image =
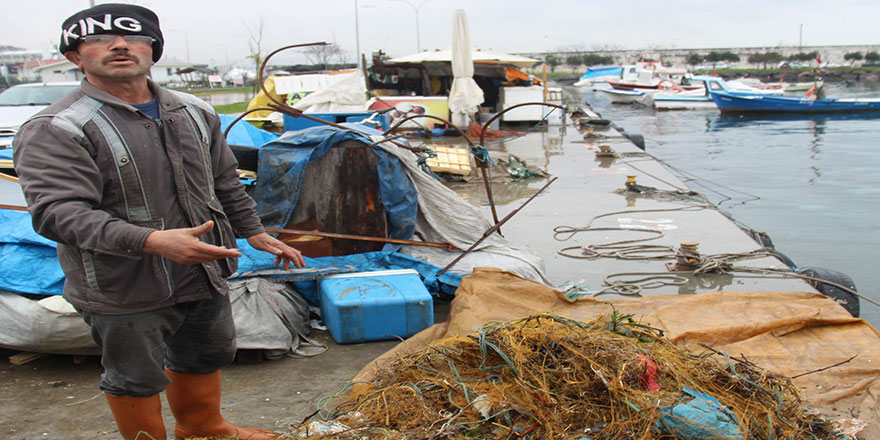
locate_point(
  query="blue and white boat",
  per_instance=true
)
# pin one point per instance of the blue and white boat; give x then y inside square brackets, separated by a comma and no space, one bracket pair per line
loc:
[596,74]
[729,102]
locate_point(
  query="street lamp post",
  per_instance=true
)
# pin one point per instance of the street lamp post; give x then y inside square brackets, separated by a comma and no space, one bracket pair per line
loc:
[416,9]
[357,37]
[185,40]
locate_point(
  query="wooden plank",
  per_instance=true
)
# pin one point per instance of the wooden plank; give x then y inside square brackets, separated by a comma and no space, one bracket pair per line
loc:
[25,357]
[450,160]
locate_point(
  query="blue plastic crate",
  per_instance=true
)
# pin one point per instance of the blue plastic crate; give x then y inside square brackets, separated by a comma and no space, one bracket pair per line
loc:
[375,306]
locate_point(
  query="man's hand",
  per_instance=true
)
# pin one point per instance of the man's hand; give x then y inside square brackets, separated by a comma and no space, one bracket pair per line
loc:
[282,252]
[183,246]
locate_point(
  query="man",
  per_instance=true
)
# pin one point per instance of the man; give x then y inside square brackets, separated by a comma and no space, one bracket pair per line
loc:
[140,190]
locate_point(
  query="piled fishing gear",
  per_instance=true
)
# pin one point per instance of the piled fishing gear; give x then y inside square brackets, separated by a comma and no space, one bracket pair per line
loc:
[550,377]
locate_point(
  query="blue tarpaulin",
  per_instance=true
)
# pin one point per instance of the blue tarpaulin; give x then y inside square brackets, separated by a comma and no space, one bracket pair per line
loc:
[283,163]
[701,418]
[30,263]
[245,134]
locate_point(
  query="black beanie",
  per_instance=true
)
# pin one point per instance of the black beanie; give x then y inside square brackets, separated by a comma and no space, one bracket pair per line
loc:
[111,18]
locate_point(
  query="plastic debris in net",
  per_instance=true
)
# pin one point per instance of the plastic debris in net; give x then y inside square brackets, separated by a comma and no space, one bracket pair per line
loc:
[701,418]
[648,379]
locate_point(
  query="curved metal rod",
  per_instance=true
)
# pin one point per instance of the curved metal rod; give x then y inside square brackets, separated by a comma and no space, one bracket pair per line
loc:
[266,61]
[241,116]
[484,165]
[409,118]
[288,110]
[498,115]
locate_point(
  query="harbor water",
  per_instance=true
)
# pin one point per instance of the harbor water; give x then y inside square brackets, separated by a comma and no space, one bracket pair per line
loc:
[812,183]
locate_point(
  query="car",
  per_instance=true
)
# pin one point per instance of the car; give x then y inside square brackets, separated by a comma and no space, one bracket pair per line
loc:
[18,103]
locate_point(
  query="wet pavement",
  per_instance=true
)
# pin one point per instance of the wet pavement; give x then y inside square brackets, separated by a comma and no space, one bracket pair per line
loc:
[56,398]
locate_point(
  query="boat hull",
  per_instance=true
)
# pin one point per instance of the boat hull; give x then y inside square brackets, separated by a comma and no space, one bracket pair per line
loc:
[626,96]
[681,104]
[731,103]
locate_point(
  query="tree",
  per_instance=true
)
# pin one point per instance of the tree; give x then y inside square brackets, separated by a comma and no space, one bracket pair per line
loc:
[573,60]
[552,61]
[804,56]
[773,57]
[765,58]
[853,57]
[324,55]
[872,57]
[716,57]
[255,44]
[694,59]
[593,59]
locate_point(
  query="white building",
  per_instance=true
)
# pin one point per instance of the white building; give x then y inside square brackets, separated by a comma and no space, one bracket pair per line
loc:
[63,70]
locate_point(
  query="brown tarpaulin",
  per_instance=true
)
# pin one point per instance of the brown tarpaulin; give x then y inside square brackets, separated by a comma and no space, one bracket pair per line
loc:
[786,332]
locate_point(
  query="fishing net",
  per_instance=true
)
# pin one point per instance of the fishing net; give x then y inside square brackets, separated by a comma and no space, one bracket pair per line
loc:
[546,377]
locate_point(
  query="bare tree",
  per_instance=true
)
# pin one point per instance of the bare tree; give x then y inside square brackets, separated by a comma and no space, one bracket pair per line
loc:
[324,55]
[606,47]
[255,44]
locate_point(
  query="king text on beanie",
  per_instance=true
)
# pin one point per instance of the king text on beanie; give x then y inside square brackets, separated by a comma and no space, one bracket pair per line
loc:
[111,18]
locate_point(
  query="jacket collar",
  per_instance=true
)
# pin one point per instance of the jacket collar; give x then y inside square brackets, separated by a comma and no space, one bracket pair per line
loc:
[167,100]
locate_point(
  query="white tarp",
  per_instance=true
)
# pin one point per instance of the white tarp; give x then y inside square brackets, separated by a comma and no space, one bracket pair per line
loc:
[268,316]
[465,95]
[348,93]
[285,85]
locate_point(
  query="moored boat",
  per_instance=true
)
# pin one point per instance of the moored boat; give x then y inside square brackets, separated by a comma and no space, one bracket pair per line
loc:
[650,75]
[700,98]
[598,74]
[627,96]
[737,103]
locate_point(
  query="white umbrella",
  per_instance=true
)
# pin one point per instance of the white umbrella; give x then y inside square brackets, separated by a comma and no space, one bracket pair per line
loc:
[465,96]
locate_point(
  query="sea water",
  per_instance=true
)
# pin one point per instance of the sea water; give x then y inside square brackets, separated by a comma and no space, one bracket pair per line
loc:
[812,183]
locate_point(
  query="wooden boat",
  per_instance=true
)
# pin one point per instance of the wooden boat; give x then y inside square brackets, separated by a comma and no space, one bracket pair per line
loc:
[729,102]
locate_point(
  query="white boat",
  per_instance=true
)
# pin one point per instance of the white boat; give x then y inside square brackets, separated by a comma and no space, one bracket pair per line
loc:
[700,98]
[684,100]
[627,96]
[649,75]
[757,86]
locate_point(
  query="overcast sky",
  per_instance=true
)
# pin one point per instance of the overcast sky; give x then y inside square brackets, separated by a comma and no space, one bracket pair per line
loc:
[215,29]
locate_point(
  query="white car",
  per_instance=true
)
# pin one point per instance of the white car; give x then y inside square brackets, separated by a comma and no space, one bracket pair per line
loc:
[18,103]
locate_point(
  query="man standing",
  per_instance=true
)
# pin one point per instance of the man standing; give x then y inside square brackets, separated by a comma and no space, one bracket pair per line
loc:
[137,186]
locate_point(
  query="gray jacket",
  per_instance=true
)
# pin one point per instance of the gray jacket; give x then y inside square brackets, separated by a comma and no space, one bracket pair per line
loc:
[99,176]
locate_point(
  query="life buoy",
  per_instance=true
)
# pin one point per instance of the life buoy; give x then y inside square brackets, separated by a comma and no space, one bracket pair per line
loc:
[650,67]
[812,92]
[667,84]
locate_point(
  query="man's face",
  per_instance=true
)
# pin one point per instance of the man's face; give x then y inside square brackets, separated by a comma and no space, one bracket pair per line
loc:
[113,57]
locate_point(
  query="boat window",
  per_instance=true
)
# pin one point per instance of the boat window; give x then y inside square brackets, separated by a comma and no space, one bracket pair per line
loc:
[715,86]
